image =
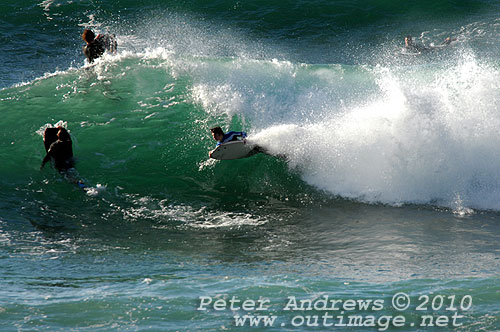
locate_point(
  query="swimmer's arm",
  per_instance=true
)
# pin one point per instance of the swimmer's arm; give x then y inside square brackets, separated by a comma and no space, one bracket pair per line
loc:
[45,160]
[53,147]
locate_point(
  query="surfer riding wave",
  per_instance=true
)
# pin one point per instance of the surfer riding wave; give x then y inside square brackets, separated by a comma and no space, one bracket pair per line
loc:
[247,150]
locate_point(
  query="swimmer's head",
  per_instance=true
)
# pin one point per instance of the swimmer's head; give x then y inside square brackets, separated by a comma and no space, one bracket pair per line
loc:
[63,134]
[88,36]
[408,41]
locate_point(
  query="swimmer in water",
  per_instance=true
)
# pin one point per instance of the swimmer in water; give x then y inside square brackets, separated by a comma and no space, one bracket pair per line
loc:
[96,46]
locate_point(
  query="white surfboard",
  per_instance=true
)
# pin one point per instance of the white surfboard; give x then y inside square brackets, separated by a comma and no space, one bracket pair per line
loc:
[233,150]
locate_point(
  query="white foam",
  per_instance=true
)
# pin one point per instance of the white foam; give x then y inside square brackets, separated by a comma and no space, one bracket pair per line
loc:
[420,139]
[60,123]
[95,191]
[163,212]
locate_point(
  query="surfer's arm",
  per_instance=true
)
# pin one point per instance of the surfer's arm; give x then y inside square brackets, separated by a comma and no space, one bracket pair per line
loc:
[241,134]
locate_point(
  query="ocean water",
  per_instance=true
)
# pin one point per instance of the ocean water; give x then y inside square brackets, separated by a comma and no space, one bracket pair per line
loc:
[382,183]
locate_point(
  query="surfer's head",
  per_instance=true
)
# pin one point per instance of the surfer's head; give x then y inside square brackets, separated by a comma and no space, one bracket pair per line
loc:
[88,36]
[217,133]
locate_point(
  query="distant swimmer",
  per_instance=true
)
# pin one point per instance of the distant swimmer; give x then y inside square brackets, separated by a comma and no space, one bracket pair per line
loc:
[448,41]
[414,48]
[59,148]
[96,46]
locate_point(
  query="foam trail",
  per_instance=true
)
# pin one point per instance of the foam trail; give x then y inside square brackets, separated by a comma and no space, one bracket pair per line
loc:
[425,138]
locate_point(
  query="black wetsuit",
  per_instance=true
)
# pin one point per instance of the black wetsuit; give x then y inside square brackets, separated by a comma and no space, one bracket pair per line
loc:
[98,46]
[62,154]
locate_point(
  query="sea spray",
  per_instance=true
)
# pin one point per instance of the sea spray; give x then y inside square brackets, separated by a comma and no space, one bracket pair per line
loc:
[418,140]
